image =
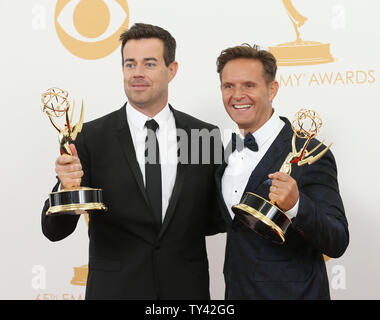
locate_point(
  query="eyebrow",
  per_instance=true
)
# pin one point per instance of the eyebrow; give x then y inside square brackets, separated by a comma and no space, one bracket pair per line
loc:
[244,82]
[145,59]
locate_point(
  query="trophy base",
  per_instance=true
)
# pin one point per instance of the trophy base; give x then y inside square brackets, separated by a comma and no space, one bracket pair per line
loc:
[301,52]
[80,276]
[76,201]
[263,217]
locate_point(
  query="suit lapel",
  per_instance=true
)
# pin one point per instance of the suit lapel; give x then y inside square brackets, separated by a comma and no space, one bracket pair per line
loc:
[181,171]
[124,137]
[272,159]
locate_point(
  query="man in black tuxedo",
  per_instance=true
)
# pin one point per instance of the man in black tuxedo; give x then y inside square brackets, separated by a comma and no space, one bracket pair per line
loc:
[256,268]
[151,242]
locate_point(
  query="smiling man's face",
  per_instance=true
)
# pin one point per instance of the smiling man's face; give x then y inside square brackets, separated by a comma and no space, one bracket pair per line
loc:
[246,95]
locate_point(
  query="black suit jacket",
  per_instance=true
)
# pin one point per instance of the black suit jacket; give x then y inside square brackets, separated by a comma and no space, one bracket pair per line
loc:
[129,256]
[256,268]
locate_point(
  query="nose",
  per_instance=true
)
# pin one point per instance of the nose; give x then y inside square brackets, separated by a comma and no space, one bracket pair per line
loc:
[238,94]
[138,71]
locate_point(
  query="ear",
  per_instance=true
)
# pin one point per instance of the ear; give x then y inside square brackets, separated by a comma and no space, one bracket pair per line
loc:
[273,89]
[172,70]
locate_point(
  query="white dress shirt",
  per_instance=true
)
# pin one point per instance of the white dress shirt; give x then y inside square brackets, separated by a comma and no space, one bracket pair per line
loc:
[242,163]
[167,141]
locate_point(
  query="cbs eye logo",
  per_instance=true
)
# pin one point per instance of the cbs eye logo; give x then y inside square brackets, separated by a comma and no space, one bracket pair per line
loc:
[90,29]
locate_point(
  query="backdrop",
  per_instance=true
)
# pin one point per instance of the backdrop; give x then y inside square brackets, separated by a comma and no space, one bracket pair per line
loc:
[73,45]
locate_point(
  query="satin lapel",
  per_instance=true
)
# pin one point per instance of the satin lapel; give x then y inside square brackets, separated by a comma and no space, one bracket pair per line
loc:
[272,159]
[181,172]
[124,137]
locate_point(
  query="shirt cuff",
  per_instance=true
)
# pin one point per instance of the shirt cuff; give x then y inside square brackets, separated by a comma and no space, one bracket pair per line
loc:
[292,213]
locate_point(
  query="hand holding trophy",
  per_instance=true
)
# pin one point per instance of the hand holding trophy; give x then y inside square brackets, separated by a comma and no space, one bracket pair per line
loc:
[56,103]
[264,216]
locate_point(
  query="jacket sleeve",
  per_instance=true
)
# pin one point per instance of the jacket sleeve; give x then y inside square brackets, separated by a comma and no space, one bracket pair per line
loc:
[216,223]
[57,227]
[321,217]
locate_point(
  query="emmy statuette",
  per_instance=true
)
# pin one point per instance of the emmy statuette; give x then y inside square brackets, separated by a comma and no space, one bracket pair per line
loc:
[55,103]
[264,216]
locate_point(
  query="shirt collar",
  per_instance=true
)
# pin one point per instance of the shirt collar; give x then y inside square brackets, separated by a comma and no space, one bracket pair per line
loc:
[270,128]
[138,119]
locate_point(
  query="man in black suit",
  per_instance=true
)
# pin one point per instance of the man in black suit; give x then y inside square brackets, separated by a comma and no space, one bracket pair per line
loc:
[256,268]
[151,242]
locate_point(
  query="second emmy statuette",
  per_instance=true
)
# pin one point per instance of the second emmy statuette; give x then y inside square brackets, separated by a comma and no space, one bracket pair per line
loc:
[263,216]
[56,103]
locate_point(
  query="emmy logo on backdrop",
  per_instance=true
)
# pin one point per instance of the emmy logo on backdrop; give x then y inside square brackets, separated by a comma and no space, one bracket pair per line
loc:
[264,216]
[80,276]
[56,104]
[300,52]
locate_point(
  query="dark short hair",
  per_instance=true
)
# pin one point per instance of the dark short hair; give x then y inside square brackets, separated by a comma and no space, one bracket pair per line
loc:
[248,52]
[147,31]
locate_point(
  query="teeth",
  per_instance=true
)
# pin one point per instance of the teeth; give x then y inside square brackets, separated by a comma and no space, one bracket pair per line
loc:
[242,106]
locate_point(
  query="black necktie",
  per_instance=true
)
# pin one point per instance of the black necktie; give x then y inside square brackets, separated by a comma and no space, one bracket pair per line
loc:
[153,170]
[249,142]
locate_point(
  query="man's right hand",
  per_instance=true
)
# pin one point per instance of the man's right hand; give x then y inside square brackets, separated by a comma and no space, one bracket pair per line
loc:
[69,169]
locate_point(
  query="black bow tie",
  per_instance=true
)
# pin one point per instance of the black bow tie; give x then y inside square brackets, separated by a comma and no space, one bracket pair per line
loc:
[249,142]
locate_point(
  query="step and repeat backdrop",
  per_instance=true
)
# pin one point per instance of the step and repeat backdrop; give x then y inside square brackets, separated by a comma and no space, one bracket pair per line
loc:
[74,45]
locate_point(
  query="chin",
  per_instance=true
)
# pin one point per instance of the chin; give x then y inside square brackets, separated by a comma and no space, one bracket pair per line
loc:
[242,124]
[138,99]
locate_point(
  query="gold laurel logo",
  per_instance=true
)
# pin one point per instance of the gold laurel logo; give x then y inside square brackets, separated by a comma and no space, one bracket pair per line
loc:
[300,52]
[91,21]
